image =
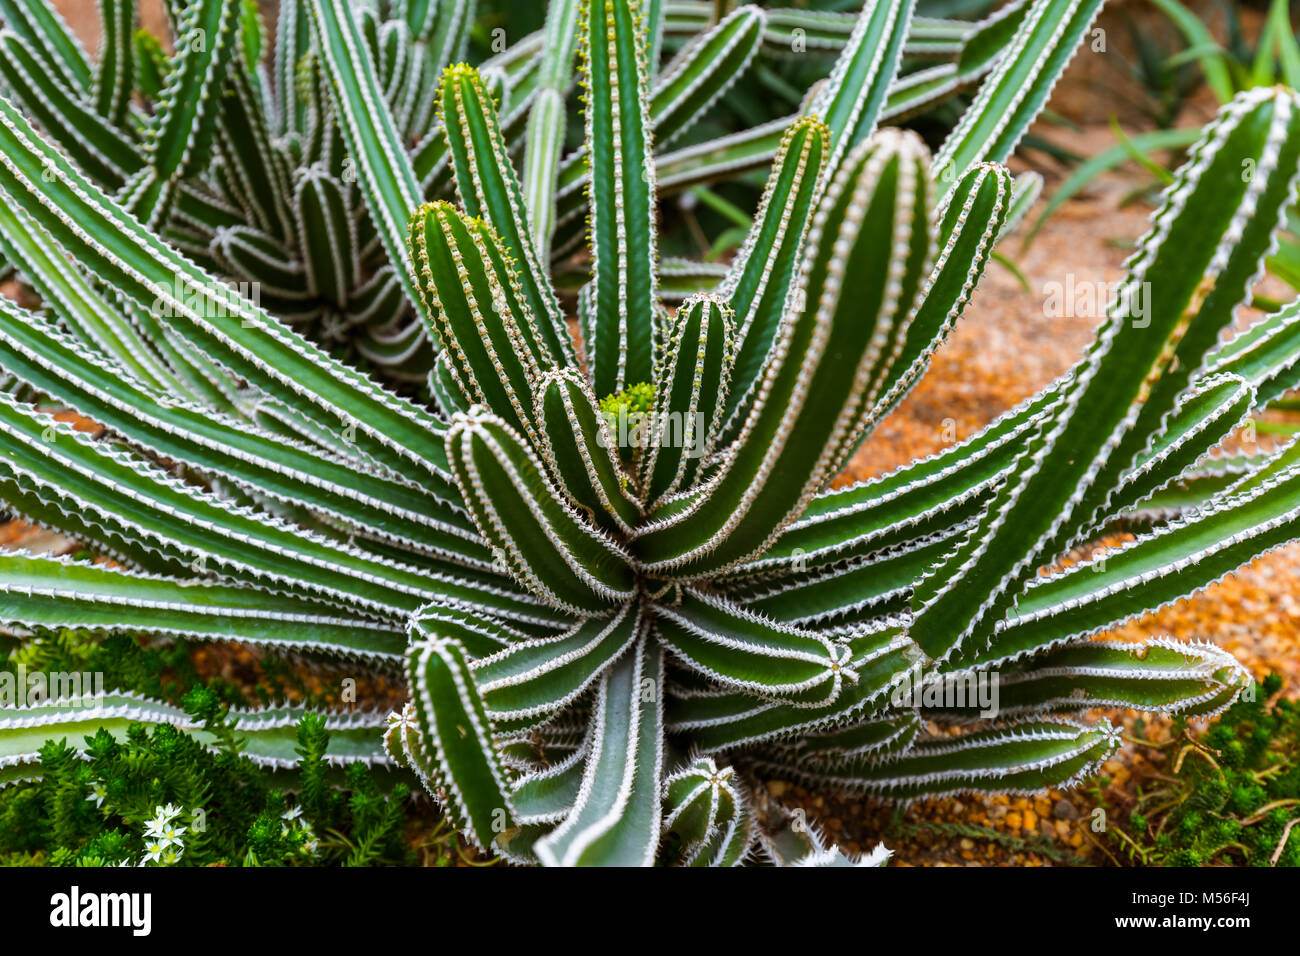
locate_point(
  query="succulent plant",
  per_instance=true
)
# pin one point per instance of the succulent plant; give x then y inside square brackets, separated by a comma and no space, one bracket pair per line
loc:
[612,564]
[242,150]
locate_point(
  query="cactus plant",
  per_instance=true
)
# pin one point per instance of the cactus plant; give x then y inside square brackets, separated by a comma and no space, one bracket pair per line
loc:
[243,150]
[611,562]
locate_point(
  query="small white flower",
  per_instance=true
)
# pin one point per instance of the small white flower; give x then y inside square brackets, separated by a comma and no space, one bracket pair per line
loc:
[292,814]
[153,851]
[171,855]
[97,793]
[161,826]
[404,719]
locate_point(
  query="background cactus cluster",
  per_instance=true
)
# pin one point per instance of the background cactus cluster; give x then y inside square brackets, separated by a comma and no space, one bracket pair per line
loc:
[606,552]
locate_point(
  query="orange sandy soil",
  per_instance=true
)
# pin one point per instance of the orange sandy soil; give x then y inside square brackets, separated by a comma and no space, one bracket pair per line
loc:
[1005,349]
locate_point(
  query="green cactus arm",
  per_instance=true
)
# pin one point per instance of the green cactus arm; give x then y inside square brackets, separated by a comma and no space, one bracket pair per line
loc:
[269,734]
[401,347]
[726,156]
[1262,355]
[151,64]
[851,100]
[47,508]
[477,313]
[246,145]
[292,41]
[1264,468]
[179,138]
[377,297]
[621,196]
[922,494]
[445,386]
[582,451]
[1217,223]
[1025,191]
[544,139]
[201,209]
[691,395]
[489,188]
[1238,263]
[701,73]
[1266,354]
[988,39]
[105,153]
[96,322]
[766,265]
[382,166]
[656,24]
[518,92]
[919,91]
[739,650]
[616,819]
[401,68]
[1202,419]
[541,539]
[842,593]
[710,65]
[707,820]
[1026,757]
[546,796]
[447,33]
[680,278]
[328,235]
[719,719]
[750,149]
[971,225]
[115,66]
[873,737]
[825,31]
[859,588]
[49,594]
[537,678]
[1194,489]
[247,254]
[1158,675]
[1207,413]
[481,631]
[453,750]
[1017,89]
[40,24]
